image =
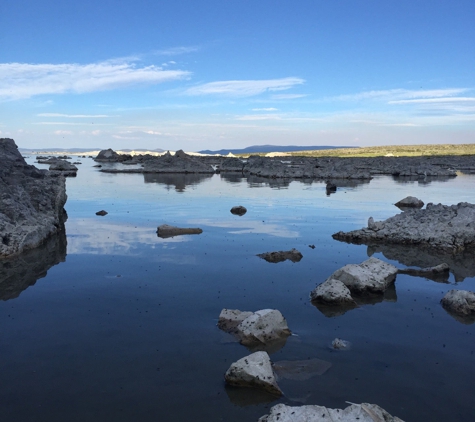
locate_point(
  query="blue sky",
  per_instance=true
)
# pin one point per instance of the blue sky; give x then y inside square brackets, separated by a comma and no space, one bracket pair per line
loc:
[213,74]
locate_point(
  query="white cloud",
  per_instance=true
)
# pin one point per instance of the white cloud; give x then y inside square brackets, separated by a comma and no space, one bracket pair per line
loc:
[23,80]
[435,100]
[74,116]
[176,51]
[398,94]
[244,88]
[260,117]
[287,96]
[264,109]
[63,132]
[152,132]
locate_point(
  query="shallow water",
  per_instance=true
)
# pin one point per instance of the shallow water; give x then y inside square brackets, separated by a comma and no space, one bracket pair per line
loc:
[125,328]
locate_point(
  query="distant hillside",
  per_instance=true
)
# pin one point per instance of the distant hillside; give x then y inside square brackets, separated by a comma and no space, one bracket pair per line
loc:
[270,148]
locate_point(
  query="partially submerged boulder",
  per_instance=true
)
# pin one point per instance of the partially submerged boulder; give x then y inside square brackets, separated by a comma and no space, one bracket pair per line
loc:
[107,156]
[409,202]
[340,344]
[372,275]
[165,231]
[254,328]
[332,292]
[238,210]
[253,371]
[274,257]
[178,163]
[461,302]
[444,227]
[31,202]
[364,412]
[437,273]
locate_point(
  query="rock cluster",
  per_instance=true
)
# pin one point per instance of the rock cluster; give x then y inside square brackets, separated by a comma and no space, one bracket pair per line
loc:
[65,167]
[178,163]
[31,202]
[445,227]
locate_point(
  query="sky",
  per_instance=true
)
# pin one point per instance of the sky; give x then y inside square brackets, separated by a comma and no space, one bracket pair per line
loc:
[208,74]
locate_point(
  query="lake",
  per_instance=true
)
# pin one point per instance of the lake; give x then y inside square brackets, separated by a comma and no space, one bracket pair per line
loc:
[123,327]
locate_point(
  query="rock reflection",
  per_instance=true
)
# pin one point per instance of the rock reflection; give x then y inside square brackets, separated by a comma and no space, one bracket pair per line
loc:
[422,180]
[331,311]
[177,181]
[256,182]
[462,265]
[22,271]
[464,319]
[243,397]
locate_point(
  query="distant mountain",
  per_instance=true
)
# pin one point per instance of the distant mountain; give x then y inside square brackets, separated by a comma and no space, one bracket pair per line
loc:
[271,148]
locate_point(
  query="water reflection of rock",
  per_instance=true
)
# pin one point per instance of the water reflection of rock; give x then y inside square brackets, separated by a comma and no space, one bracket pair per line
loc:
[330,311]
[421,179]
[20,272]
[177,181]
[462,265]
[243,397]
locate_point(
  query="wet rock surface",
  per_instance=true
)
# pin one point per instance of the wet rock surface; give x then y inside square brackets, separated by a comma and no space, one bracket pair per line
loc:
[165,231]
[274,257]
[364,412]
[254,328]
[461,302]
[19,272]
[445,227]
[31,202]
[254,371]
[409,202]
[333,292]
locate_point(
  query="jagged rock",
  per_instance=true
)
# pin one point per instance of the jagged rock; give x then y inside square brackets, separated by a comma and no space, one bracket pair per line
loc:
[238,210]
[102,213]
[259,328]
[31,202]
[372,275]
[231,164]
[165,231]
[178,163]
[293,255]
[445,227]
[253,371]
[332,292]
[107,156]
[66,168]
[364,412]
[461,302]
[409,202]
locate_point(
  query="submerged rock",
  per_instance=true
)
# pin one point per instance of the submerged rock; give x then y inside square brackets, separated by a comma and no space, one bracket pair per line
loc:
[364,412]
[332,292]
[253,328]
[238,210]
[445,227]
[340,344]
[31,202]
[437,273]
[165,231]
[102,213]
[409,202]
[300,370]
[293,255]
[253,371]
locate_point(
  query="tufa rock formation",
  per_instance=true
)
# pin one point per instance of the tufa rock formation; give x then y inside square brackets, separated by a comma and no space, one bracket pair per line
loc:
[31,202]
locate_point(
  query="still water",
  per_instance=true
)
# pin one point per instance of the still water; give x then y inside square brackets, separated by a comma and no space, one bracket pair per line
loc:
[121,324]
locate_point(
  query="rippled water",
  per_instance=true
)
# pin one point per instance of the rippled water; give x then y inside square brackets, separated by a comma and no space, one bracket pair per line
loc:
[123,325]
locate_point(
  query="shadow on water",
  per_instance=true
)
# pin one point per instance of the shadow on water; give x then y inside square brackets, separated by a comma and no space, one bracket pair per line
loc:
[421,180]
[22,271]
[177,181]
[462,265]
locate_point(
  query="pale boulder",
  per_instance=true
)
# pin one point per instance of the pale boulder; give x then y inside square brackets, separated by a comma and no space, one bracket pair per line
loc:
[461,302]
[332,292]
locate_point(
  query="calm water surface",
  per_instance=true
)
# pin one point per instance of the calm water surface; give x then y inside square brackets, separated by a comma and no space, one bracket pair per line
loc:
[125,328]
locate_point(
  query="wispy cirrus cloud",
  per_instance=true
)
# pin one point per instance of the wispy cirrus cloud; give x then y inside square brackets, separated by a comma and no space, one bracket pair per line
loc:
[245,88]
[391,95]
[25,80]
[176,51]
[441,100]
[74,116]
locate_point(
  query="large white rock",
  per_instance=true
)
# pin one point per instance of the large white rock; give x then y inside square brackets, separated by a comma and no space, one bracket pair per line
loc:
[254,328]
[363,412]
[372,275]
[459,301]
[263,326]
[253,371]
[332,292]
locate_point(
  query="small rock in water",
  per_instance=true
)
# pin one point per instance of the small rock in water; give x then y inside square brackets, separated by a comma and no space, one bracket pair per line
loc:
[102,212]
[274,257]
[311,246]
[340,344]
[238,210]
